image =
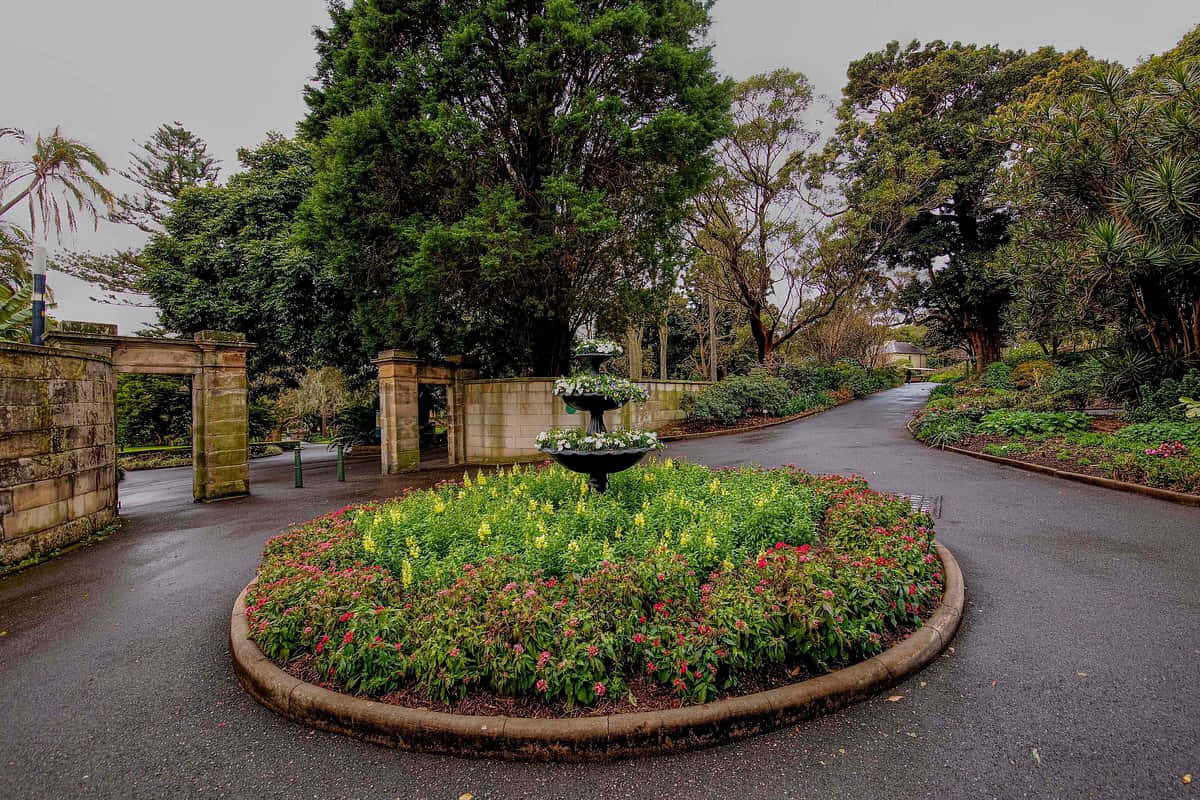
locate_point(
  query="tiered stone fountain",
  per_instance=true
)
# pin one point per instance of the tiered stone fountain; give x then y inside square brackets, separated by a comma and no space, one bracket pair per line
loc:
[597,464]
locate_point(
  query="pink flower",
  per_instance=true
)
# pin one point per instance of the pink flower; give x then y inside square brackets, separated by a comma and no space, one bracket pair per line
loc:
[542,686]
[592,650]
[455,652]
[518,649]
[600,690]
[637,637]
[543,658]
[827,594]
[307,630]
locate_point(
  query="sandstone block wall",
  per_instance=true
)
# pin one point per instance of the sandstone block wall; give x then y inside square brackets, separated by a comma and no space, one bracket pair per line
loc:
[57,448]
[502,418]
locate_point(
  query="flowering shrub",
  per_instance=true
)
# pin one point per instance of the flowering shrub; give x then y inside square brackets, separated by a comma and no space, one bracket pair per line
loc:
[618,390]
[526,584]
[1168,450]
[606,347]
[560,439]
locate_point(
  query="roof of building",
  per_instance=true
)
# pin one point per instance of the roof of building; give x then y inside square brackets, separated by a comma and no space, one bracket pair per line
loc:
[903,348]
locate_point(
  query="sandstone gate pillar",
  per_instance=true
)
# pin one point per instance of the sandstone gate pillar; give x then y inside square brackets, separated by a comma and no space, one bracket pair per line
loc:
[399,434]
[220,418]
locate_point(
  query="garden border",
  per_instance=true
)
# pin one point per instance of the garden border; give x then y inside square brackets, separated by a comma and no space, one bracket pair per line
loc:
[1171,496]
[599,737]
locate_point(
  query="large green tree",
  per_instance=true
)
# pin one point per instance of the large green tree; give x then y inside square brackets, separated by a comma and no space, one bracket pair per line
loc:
[1111,177]
[226,261]
[492,172]
[928,103]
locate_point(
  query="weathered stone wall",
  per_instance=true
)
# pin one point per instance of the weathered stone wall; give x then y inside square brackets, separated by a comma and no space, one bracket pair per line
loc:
[503,417]
[57,448]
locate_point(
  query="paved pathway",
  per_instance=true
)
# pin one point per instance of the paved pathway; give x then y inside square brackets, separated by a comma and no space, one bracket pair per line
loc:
[1075,674]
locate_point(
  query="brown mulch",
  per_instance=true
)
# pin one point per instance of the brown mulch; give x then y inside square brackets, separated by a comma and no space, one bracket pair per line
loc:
[1107,424]
[643,695]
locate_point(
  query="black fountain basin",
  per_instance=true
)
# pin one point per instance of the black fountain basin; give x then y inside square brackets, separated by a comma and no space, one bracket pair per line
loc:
[591,402]
[598,464]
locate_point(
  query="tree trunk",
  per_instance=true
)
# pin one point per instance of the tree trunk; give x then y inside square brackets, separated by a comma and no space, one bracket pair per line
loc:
[633,351]
[986,344]
[662,350]
[762,337]
[712,338]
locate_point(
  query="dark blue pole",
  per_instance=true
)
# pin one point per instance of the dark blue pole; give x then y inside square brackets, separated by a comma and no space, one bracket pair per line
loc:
[39,296]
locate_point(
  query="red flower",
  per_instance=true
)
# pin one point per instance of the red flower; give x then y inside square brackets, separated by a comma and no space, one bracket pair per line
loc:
[349,615]
[348,638]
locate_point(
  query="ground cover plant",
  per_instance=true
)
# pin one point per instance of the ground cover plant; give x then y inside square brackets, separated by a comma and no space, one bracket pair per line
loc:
[1161,450]
[526,584]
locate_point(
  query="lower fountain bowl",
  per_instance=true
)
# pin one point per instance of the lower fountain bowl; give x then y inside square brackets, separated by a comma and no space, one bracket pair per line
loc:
[599,464]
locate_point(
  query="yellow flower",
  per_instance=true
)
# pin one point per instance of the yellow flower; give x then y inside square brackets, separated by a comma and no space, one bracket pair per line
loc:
[727,564]
[710,541]
[480,479]
[485,530]
[406,576]
[583,487]
[573,546]
[648,477]
[414,551]
[714,486]
[639,520]
[579,507]
[617,533]
[439,507]
[540,542]
[541,526]
[547,508]
[760,501]
[606,552]
[368,543]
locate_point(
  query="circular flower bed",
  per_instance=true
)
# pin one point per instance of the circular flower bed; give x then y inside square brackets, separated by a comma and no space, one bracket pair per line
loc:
[524,584]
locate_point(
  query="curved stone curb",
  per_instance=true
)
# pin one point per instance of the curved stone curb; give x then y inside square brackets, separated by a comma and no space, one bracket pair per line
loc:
[812,412]
[590,738]
[1183,498]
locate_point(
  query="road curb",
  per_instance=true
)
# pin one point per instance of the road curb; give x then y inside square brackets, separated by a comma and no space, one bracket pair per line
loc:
[1182,498]
[592,738]
[812,412]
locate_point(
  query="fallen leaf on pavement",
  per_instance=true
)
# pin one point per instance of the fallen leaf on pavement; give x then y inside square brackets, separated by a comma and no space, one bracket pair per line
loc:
[896,698]
[1036,757]
[1187,779]
[466,796]
[1081,674]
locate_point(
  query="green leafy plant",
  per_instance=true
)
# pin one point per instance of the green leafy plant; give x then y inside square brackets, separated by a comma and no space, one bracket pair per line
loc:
[998,375]
[940,428]
[1015,422]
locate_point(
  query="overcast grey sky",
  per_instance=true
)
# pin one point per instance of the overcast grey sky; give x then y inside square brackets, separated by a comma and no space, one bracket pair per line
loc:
[232,70]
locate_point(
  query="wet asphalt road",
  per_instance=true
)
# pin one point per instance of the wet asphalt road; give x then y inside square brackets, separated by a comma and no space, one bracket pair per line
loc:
[1076,672]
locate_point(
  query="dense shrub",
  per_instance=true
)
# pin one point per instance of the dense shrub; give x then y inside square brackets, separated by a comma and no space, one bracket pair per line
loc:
[663,577]
[738,396]
[1029,351]
[1032,374]
[797,388]
[1161,401]
[811,378]
[998,375]
[1075,386]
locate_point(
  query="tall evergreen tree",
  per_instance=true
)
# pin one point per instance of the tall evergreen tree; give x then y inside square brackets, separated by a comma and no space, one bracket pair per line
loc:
[492,172]
[930,102]
[171,160]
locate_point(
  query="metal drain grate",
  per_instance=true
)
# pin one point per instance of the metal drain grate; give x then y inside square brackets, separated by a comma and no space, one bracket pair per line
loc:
[930,504]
